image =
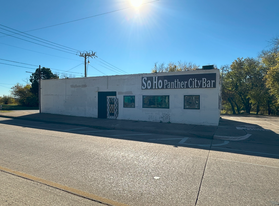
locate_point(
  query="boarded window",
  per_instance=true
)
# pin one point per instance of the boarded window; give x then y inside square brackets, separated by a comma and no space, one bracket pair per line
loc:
[129,101]
[192,102]
[155,102]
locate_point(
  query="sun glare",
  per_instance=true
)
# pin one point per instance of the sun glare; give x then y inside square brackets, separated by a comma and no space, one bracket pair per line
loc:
[136,3]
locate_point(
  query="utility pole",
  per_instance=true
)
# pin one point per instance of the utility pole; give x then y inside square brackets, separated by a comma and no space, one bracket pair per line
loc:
[39,86]
[39,89]
[85,55]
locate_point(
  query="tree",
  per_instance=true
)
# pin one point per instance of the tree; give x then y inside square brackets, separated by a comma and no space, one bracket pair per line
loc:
[24,95]
[7,100]
[238,81]
[229,96]
[270,60]
[34,79]
[272,79]
[244,86]
[172,67]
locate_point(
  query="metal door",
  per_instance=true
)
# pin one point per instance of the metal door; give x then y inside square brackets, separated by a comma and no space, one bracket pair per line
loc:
[112,107]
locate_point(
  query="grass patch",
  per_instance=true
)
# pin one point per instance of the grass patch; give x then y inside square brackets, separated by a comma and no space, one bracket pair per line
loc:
[8,107]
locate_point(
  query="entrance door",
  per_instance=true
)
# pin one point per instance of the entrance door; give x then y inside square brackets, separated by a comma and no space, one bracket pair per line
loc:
[102,103]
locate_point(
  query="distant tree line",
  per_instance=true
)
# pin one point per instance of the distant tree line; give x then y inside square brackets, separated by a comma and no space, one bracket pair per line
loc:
[5,99]
[248,85]
[28,95]
[173,67]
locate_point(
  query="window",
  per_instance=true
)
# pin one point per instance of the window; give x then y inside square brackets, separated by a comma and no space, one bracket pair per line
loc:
[155,102]
[129,101]
[192,102]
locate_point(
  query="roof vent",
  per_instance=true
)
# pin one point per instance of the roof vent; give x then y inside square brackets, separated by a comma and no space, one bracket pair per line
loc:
[208,67]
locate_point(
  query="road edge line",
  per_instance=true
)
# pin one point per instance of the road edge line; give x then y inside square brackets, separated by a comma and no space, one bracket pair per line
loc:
[64,188]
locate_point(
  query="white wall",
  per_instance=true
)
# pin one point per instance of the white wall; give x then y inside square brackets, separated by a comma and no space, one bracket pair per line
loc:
[79,97]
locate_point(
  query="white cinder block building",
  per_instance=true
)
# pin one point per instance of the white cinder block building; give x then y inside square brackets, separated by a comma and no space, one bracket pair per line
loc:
[191,97]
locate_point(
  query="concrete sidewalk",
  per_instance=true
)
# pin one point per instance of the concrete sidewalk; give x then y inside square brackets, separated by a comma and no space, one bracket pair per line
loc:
[129,125]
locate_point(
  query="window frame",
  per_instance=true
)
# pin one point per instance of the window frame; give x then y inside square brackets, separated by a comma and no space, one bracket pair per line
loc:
[143,106]
[129,96]
[192,96]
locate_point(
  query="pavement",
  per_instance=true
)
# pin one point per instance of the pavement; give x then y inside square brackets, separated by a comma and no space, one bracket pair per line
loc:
[201,131]
[233,128]
[235,163]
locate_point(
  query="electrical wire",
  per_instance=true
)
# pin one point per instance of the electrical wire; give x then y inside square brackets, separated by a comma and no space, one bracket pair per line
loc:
[106,67]
[66,49]
[18,62]
[17,66]
[60,47]
[111,65]
[5,87]
[66,71]
[112,68]
[75,67]
[31,65]
[6,84]
[38,52]
[40,44]
[67,22]
[17,32]
[105,63]
[84,18]
[97,70]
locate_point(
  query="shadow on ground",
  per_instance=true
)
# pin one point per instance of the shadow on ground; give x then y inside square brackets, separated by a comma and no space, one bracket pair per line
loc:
[230,136]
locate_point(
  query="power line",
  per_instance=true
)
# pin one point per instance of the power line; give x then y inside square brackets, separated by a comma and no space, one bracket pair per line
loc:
[59,47]
[75,66]
[103,64]
[40,44]
[17,66]
[18,62]
[67,22]
[109,68]
[17,32]
[98,60]
[37,51]
[5,86]
[107,65]
[66,71]
[31,65]
[84,18]
[97,69]
[112,65]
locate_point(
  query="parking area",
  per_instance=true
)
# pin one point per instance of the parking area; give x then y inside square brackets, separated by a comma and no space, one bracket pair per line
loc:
[238,166]
[255,135]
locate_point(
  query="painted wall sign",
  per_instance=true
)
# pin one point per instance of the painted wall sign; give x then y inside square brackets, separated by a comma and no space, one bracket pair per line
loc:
[179,81]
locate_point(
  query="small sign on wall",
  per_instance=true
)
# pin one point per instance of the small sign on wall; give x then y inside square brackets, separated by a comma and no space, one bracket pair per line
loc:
[192,81]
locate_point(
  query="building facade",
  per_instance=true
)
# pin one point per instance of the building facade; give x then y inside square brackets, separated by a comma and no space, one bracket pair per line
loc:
[191,97]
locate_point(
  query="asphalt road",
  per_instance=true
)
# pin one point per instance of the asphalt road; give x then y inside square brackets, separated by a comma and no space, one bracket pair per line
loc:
[56,164]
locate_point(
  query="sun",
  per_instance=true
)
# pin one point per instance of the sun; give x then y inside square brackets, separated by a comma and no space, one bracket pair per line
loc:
[136,3]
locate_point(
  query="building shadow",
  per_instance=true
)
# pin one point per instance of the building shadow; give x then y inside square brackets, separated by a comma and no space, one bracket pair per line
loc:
[249,139]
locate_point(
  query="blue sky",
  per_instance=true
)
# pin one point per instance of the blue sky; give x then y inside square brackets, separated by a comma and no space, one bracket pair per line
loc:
[132,40]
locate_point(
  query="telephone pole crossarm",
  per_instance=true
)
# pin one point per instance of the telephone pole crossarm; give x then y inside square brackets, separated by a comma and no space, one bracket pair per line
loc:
[85,55]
